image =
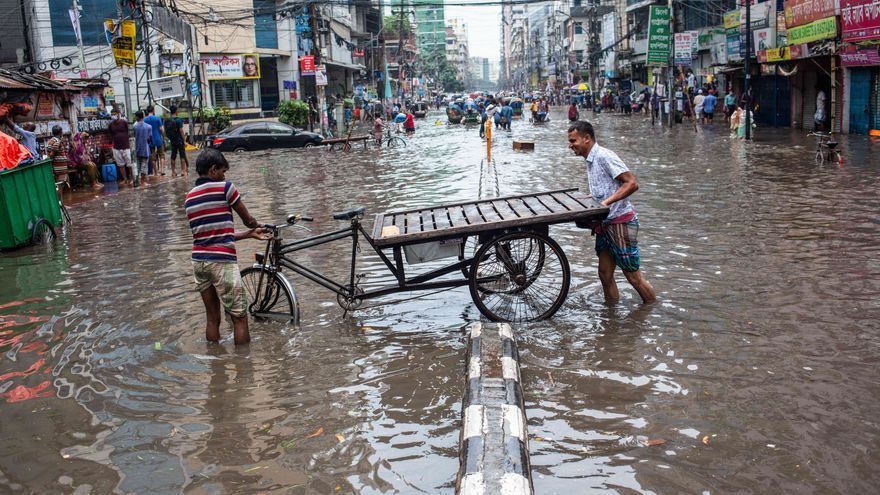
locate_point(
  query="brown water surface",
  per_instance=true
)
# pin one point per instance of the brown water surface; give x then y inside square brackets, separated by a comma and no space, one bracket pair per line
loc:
[758,366]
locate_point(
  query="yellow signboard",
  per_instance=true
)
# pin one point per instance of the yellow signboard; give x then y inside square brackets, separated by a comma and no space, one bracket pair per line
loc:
[731,19]
[814,31]
[778,54]
[121,38]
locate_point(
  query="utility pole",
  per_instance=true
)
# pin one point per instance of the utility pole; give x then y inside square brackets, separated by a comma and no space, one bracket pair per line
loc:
[313,15]
[673,105]
[400,50]
[79,44]
[746,69]
[147,48]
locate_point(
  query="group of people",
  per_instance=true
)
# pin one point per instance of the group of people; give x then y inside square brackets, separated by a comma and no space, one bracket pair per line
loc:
[150,134]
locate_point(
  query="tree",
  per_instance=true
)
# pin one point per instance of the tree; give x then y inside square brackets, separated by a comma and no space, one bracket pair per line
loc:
[392,25]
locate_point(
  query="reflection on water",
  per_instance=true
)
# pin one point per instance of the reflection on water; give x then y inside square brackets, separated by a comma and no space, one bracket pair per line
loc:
[754,371]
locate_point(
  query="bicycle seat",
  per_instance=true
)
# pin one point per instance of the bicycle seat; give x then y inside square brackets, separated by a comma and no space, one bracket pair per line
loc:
[348,215]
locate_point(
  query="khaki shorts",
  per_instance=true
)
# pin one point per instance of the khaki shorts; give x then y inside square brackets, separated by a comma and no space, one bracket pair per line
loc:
[226,279]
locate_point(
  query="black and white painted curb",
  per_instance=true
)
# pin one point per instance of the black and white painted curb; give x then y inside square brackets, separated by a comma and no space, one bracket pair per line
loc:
[494,443]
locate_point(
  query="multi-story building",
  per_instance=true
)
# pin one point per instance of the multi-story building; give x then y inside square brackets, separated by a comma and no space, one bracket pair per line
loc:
[457,50]
[430,25]
[248,65]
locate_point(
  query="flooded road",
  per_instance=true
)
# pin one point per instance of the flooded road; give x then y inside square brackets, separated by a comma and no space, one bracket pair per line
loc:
[756,372]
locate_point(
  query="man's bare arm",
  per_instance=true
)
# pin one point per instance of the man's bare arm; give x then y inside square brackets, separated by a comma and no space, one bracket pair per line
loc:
[245,215]
[627,187]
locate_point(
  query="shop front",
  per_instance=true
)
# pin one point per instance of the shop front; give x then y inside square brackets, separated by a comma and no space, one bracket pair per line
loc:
[234,82]
[860,60]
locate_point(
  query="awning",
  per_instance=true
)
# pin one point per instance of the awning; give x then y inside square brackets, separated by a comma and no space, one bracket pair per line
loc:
[343,65]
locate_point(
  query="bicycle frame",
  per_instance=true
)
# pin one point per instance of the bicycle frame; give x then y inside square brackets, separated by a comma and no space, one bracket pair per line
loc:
[425,281]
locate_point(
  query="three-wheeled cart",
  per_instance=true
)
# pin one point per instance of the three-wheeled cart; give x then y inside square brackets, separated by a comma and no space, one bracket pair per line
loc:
[500,246]
[29,207]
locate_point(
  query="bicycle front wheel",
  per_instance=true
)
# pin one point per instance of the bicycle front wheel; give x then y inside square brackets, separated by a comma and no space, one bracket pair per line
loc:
[269,295]
[396,142]
[521,276]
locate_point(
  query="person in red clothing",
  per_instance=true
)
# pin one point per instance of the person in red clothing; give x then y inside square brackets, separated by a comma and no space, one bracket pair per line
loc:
[209,207]
[409,125]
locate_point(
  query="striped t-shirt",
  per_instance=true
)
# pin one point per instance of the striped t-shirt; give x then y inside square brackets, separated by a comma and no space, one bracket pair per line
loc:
[209,211]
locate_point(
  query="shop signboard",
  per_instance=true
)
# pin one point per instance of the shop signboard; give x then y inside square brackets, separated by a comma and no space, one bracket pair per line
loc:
[800,12]
[658,35]
[760,15]
[90,102]
[307,65]
[45,106]
[733,48]
[861,19]
[814,31]
[683,48]
[120,36]
[321,75]
[763,39]
[218,67]
[860,57]
[731,19]
[166,87]
[302,24]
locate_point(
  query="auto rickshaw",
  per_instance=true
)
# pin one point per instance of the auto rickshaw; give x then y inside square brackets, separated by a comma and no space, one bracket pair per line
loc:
[454,113]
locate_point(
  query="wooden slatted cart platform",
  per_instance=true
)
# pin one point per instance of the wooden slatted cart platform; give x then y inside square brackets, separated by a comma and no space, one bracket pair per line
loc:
[399,228]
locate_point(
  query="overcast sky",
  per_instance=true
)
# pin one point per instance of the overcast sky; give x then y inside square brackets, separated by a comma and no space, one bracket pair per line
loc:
[484,28]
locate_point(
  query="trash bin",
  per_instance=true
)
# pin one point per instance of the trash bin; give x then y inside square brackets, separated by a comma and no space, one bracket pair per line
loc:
[28,203]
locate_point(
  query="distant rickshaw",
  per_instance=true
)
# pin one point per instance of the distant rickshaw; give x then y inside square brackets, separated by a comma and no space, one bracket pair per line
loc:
[420,110]
[454,113]
[517,105]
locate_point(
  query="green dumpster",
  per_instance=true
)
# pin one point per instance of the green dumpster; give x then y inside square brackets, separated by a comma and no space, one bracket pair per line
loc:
[28,202]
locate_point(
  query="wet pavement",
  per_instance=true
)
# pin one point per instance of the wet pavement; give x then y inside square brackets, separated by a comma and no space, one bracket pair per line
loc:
[755,372]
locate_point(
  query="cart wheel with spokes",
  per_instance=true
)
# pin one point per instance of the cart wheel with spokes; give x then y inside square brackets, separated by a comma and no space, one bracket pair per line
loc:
[520,276]
[269,295]
[42,233]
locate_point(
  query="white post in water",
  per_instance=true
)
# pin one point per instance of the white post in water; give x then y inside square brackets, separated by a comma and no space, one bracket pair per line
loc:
[494,446]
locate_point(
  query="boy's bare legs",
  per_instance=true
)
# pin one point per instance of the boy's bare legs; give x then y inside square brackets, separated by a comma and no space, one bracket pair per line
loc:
[173,169]
[241,333]
[213,312]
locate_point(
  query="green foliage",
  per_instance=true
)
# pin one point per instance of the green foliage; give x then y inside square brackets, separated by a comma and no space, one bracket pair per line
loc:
[392,25]
[293,112]
[219,117]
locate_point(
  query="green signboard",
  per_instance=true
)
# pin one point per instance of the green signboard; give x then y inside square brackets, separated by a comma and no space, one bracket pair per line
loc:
[814,31]
[658,35]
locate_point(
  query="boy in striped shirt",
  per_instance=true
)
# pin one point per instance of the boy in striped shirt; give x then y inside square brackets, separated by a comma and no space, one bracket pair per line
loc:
[209,207]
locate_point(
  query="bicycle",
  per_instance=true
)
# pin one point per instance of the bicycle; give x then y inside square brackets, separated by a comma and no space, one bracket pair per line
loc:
[390,141]
[514,270]
[826,148]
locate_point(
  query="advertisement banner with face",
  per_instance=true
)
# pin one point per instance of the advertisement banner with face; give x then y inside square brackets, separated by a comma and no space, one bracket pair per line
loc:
[246,66]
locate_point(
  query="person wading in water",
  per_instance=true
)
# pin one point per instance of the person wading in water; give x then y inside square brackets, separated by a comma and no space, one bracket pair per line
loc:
[611,183]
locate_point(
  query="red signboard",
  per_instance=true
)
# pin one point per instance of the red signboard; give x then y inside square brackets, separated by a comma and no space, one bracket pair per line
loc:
[861,19]
[358,52]
[854,57]
[307,65]
[800,12]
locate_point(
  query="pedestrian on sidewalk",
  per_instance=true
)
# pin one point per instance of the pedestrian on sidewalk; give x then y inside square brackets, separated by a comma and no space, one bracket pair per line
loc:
[121,145]
[611,183]
[209,207]
[157,148]
[174,132]
[143,138]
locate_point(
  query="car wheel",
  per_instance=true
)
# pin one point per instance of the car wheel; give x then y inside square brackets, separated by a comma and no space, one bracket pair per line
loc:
[240,149]
[309,145]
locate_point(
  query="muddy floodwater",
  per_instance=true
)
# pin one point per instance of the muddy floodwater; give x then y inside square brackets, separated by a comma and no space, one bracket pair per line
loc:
[755,372]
